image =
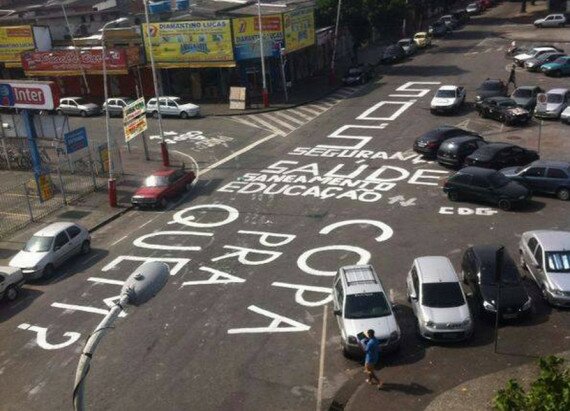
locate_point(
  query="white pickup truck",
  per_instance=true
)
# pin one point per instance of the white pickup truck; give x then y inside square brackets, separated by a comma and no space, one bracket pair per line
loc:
[11,281]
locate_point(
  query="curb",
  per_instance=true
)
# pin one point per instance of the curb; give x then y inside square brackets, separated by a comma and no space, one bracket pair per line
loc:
[110,219]
[278,108]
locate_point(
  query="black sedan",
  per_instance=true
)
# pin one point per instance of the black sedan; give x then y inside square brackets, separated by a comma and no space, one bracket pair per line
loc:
[503,109]
[486,186]
[501,155]
[542,176]
[452,152]
[393,54]
[479,269]
[428,143]
[357,75]
[491,88]
[525,96]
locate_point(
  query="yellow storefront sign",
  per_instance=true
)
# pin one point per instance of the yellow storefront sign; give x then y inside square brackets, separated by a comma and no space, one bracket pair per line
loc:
[13,41]
[246,36]
[190,41]
[45,187]
[299,27]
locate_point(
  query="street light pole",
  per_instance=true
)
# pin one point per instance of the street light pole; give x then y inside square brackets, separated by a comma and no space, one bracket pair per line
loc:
[140,287]
[332,75]
[163,146]
[78,56]
[264,93]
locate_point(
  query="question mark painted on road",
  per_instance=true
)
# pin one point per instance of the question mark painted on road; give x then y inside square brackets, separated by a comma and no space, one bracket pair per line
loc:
[41,339]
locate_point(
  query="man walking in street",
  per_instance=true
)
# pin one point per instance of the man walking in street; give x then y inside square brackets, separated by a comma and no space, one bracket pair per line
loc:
[512,77]
[371,347]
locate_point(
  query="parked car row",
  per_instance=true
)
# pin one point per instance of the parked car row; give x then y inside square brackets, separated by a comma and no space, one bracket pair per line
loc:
[549,60]
[439,300]
[169,106]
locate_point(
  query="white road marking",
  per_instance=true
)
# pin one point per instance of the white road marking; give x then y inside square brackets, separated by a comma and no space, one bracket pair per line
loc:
[500,48]
[317,108]
[280,122]
[105,281]
[154,218]
[322,360]
[310,111]
[119,240]
[301,114]
[290,118]
[244,121]
[268,126]
[488,50]
[237,153]
[86,309]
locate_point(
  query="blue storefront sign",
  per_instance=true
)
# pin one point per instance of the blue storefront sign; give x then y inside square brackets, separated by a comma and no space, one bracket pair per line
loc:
[75,140]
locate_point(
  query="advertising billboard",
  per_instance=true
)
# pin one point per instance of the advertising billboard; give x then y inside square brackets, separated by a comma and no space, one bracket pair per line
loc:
[246,36]
[299,28]
[13,41]
[69,62]
[36,95]
[190,41]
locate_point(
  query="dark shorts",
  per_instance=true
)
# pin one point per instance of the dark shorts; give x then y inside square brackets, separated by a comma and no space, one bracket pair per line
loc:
[369,367]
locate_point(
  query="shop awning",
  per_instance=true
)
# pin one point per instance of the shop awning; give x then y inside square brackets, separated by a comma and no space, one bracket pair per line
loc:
[196,64]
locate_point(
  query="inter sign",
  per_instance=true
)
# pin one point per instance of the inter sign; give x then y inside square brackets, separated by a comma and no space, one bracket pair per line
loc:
[38,95]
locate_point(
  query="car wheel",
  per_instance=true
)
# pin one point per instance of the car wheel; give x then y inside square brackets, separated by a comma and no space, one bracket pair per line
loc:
[345,352]
[563,194]
[184,115]
[561,25]
[12,293]
[505,204]
[47,271]
[155,114]
[85,247]
[163,202]
[453,195]
[59,112]
[83,113]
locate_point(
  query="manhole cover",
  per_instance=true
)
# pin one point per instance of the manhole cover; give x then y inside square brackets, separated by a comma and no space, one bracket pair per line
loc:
[74,214]
[514,138]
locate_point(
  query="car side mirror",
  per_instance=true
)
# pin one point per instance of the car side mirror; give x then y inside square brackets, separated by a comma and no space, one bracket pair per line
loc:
[337,312]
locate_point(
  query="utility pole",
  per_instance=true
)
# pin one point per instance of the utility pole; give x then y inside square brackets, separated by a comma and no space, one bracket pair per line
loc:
[264,92]
[77,53]
[332,75]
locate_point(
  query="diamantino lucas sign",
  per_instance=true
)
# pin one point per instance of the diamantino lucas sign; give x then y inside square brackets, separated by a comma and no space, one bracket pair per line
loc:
[190,41]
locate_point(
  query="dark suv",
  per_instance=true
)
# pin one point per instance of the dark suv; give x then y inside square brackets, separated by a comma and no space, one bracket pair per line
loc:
[545,177]
[479,270]
[428,143]
[452,152]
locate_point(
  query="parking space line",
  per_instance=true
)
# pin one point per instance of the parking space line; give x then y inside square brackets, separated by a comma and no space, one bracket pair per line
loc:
[322,360]
[269,127]
[282,123]
[119,240]
[244,121]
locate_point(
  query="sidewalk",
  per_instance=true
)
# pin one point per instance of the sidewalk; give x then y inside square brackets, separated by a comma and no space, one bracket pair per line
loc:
[93,210]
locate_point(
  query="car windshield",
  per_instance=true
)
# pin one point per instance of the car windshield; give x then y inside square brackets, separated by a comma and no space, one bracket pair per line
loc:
[491,85]
[445,93]
[522,93]
[508,103]
[38,244]
[367,305]
[561,60]
[554,98]
[558,261]
[354,71]
[420,36]
[442,295]
[498,180]
[156,181]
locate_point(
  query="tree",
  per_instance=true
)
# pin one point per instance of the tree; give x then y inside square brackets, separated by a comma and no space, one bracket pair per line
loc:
[549,392]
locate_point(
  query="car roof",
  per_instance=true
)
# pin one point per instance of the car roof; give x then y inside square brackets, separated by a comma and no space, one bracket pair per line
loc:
[71,97]
[360,279]
[543,48]
[557,91]
[459,140]
[477,171]
[496,146]
[435,269]
[163,172]
[552,240]
[550,163]
[492,80]
[527,88]
[164,97]
[449,87]
[406,39]
[500,98]
[422,33]
[54,228]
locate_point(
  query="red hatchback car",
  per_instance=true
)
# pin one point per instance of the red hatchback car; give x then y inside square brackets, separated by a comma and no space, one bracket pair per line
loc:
[161,186]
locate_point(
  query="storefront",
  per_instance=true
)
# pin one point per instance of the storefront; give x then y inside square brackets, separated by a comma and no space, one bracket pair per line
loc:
[68,68]
[195,58]
[15,40]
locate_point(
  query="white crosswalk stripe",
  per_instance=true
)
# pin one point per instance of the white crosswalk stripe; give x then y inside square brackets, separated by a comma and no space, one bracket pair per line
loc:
[283,122]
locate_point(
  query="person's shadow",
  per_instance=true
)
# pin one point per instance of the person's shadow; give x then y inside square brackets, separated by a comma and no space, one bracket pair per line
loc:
[410,389]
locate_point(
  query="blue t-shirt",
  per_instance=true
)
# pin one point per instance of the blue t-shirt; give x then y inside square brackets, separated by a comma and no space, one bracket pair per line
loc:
[372,350]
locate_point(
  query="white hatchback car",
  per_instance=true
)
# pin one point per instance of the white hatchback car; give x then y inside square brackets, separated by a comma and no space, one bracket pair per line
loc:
[172,106]
[51,247]
[360,304]
[552,20]
[438,301]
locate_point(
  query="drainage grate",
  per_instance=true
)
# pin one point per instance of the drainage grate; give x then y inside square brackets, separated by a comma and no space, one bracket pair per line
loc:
[74,214]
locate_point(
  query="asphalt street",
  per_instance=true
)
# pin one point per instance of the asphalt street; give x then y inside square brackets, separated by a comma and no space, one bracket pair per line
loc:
[244,322]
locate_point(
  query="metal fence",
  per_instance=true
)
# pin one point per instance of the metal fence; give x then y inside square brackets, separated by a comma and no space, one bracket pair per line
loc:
[71,177]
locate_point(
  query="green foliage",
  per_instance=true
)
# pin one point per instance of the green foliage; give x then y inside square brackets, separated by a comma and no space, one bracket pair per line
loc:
[549,392]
